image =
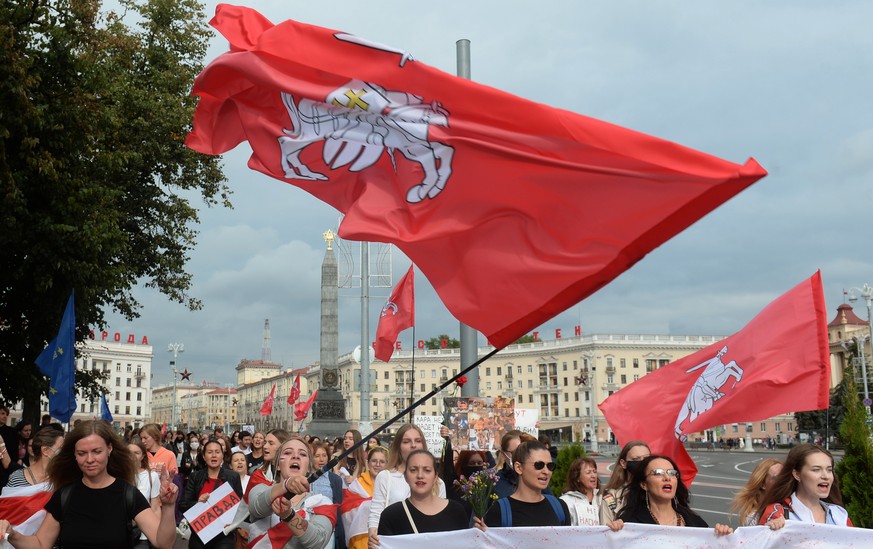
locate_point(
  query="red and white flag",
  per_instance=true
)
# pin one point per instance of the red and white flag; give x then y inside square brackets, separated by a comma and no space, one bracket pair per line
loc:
[24,506]
[295,390]
[397,315]
[267,407]
[277,536]
[302,408]
[778,363]
[355,514]
[513,210]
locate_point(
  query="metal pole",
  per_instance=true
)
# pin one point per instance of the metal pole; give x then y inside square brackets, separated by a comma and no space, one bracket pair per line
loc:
[365,334]
[867,293]
[469,338]
[594,445]
[174,348]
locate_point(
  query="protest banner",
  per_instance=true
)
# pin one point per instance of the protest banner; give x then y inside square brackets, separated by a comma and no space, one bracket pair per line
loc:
[527,421]
[794,534]
[479,423]
[209,518]
[430,426]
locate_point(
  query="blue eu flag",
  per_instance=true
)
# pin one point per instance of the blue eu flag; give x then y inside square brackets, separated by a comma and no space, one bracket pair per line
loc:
[104,409]
[58,362]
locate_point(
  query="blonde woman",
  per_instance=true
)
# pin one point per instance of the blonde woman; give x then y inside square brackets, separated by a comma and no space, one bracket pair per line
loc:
[748,500]
[308,518]
[356,504]
[391,486]
[150,435]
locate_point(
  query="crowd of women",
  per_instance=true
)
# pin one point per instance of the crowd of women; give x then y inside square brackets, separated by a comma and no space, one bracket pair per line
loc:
[93,474]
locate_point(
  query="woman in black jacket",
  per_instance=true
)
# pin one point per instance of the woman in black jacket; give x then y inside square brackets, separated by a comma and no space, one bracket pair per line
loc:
[202,483]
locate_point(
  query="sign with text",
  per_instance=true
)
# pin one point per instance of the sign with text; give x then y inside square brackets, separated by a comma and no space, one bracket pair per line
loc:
[430,426]
[527,420]
[479,423]
[209,518]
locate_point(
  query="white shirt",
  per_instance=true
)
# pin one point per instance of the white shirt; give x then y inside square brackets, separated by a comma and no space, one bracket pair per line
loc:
[246,451]
[148,488]
[390,487]
[583,512]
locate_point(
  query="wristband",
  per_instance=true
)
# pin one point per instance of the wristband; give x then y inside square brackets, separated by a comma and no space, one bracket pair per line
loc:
[289,517]
[288,493]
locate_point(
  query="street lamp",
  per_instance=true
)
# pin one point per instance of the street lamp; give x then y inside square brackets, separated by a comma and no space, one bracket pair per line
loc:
[175,348]
[593,408]
[867,293]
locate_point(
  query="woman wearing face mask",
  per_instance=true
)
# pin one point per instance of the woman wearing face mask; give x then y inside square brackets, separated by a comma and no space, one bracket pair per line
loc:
[190,459]
[423,511]
[529,505]
[630,457]
[390,486]
[202,483]
[582,492]
[657,495]
[147,482]
[309,517]
[806,490]
[46,445]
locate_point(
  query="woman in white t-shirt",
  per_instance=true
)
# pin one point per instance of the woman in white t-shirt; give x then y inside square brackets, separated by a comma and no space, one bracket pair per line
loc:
[582,492]
[148,482]
[390,485]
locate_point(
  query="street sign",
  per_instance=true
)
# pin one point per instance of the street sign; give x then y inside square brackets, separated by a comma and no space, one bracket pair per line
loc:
[867,402]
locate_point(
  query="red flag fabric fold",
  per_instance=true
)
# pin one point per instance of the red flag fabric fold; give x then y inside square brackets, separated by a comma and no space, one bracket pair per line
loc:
[302,408]
[397,315]
[267,407]
[778,363]
[513,210]
[295,390]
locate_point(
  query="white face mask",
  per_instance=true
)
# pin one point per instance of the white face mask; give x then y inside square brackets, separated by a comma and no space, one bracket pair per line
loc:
[195,445]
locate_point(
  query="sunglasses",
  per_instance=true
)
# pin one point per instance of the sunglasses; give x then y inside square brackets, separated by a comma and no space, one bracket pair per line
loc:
[538,465]
[661,472]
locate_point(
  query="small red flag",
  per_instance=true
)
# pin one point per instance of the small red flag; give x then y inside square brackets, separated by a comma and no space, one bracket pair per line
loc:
[397,315]
[267,407]
[295,390]
[164,429]
[778,363]
[513,210]
[302,408]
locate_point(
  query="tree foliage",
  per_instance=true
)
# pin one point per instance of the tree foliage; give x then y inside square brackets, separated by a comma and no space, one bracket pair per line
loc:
[855,470]
[566,456]
[95,179]
[824,421]
[527,338]
[442,341]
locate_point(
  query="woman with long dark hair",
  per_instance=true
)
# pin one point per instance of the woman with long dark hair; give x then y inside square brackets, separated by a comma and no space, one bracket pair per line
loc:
[355,463]
[657,495]
[612,495]
[806,490]
[205,481]
[95,478]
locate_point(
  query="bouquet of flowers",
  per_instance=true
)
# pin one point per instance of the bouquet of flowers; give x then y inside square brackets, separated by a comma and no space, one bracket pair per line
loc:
[478,490]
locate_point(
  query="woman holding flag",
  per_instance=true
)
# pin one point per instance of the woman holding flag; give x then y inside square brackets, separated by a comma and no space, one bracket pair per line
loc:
[46,444]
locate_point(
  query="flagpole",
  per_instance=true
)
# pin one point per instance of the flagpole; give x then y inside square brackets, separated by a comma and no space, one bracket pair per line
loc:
[333,462]
[412,393]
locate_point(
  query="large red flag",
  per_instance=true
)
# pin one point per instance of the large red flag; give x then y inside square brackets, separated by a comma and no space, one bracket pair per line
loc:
[397,315]
[513,210]
[778,363]
[267,407]
[302,408]
[295,390]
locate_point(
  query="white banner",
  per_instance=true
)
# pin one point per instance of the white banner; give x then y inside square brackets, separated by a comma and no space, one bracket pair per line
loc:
[209,518]
[430,426]
[795,534]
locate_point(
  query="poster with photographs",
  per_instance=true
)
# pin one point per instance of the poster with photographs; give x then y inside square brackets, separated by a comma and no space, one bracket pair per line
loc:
[479,423]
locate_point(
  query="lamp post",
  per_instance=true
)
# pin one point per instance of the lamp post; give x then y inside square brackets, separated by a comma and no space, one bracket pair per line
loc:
[867,293]
[175,348]
[593,380]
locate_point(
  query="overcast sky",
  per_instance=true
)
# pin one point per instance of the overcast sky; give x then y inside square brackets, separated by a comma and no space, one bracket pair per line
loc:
[789,83]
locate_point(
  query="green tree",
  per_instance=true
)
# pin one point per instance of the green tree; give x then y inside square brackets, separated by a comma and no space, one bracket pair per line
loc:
[527,338]
[441,340]
[566,456]
[95,179]
[855,470]
[824,421]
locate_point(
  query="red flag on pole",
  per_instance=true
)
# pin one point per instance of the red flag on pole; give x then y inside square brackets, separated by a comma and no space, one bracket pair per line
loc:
[164,429]
[397,315]
[267,407]
[302,408]
[778,363]
[513,210]
[295,390]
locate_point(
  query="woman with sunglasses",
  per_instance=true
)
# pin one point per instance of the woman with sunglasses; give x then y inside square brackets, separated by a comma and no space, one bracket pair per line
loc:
[657,495]
[529,505]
